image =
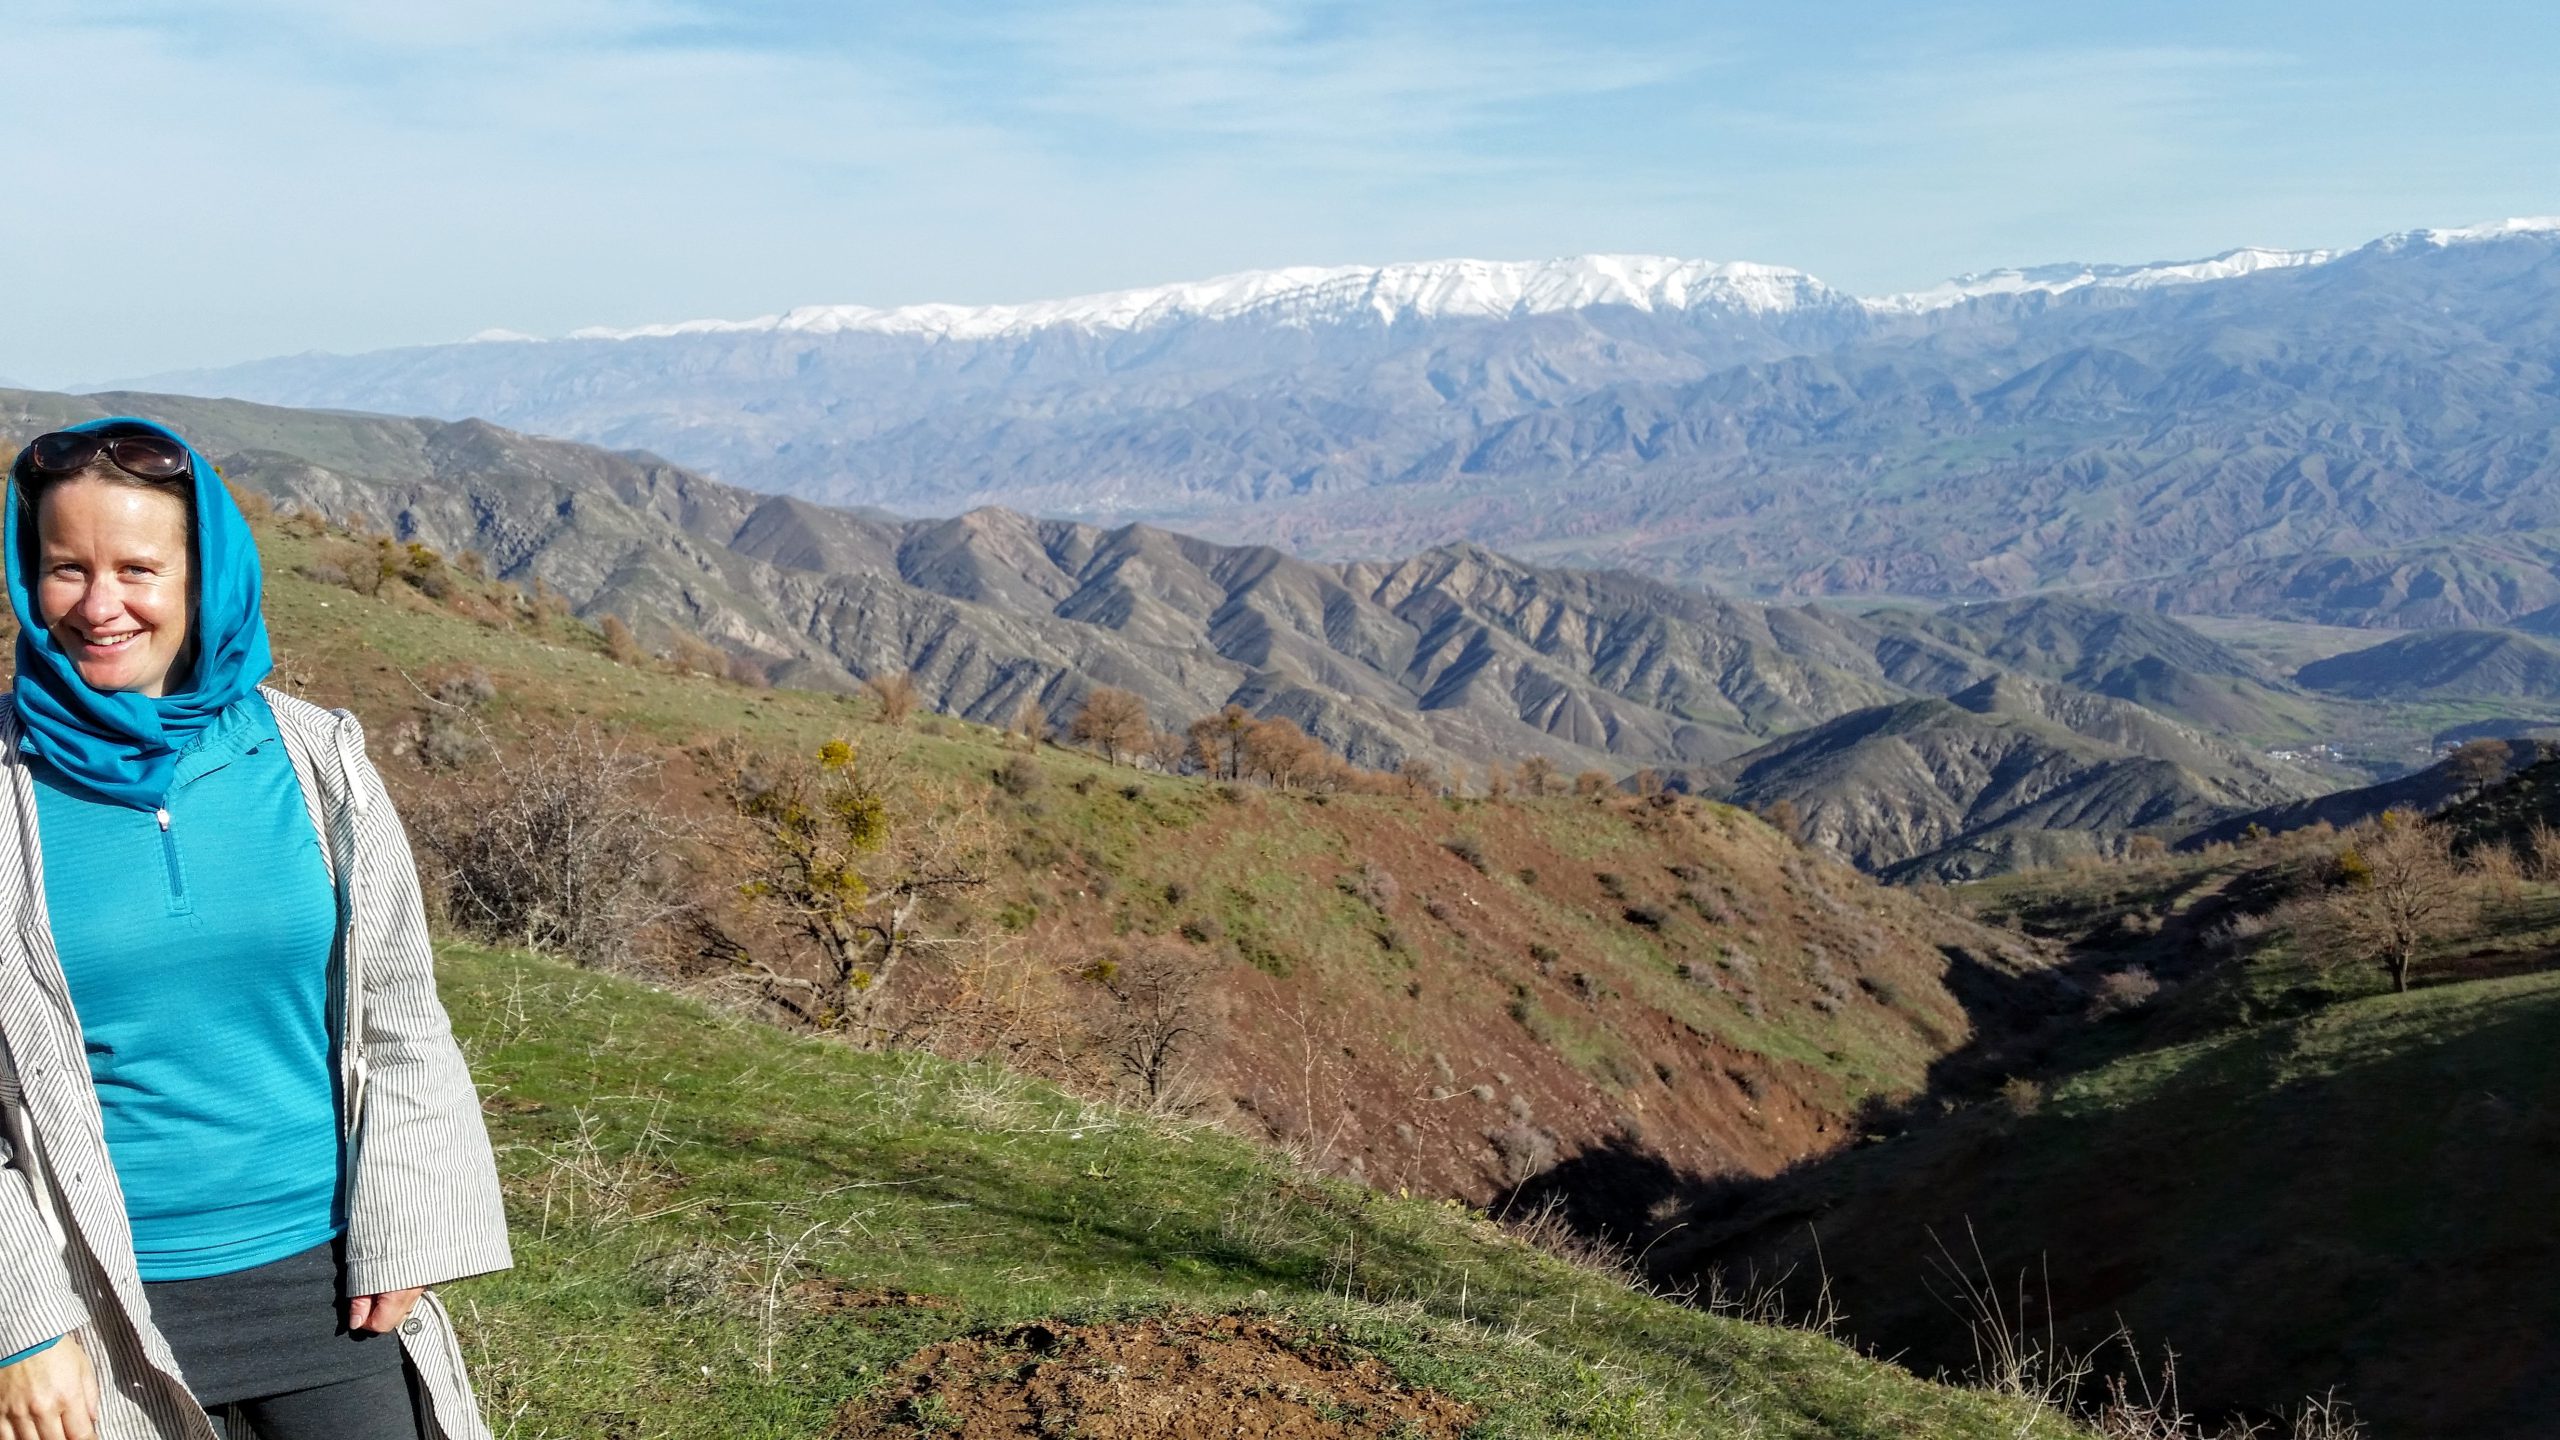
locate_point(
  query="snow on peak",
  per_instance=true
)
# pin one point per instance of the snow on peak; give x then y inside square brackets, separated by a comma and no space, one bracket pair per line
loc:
[2059,279]
[1307,295]
[2463,235]
[498,336]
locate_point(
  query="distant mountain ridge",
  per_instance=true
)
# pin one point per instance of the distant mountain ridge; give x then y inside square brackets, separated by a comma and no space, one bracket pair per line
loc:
[2188,435]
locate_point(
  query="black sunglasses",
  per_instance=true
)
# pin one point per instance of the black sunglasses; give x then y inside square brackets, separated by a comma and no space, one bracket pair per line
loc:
[140,454]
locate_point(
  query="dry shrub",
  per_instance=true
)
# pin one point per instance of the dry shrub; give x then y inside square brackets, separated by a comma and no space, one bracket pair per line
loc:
[1156,1007]
[558,847]
[2121,992]
[2543,852]
[894,697]
[694,655]
[620,644]
[1372,885]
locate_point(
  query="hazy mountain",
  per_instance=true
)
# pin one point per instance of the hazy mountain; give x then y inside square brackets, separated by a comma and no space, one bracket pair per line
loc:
[2240,422]
[2442,663]
[2008,772]
[2467,580]
[2148,659]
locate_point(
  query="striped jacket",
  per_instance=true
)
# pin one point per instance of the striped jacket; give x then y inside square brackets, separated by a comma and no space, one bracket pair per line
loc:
[422,1198]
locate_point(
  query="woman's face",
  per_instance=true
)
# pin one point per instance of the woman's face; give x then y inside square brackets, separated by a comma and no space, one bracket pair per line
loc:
[113,587]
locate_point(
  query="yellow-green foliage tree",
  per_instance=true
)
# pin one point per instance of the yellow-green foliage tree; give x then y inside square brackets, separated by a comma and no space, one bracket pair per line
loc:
[846,879]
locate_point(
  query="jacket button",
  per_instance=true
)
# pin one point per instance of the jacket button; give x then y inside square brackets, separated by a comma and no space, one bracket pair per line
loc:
[412,1325]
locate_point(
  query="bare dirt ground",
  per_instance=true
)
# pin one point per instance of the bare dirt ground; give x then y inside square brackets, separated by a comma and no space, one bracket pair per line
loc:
[1217,1377]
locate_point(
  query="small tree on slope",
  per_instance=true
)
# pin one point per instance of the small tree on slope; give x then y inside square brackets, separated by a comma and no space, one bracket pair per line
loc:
[2398,887]
[831,865]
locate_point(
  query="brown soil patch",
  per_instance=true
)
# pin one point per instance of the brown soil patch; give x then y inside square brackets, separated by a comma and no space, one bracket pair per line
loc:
[1217,1377]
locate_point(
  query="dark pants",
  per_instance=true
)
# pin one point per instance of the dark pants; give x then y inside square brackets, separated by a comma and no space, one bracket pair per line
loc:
[271,1343]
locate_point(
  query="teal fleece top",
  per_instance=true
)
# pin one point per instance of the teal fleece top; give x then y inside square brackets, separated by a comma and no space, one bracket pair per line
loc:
[198,942]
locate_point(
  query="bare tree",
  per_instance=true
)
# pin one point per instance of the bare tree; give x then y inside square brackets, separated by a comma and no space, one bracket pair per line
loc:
[1169,749]
[896,696]
[1217,742]
[619,642]
[831,865]
[558,847]
[1156,1010]
[1278,751]
[1112,721]
[2477,764]
[2397,886]
[1537,775]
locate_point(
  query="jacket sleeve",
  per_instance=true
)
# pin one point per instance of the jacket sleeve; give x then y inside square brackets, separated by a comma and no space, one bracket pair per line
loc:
[38,1300]
[424,1206]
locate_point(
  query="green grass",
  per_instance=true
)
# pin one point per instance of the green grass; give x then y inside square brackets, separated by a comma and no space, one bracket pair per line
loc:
[716,1224]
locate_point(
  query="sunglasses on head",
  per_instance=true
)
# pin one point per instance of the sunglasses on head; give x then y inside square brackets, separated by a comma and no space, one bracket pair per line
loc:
[142,454]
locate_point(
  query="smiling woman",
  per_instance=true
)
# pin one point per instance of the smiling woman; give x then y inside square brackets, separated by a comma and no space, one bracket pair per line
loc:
[212,1199]
[112,578]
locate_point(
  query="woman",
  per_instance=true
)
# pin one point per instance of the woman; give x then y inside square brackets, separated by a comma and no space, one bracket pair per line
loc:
[236,1137]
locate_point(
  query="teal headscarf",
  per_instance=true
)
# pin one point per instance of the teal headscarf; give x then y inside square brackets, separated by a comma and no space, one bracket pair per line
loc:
[118,744]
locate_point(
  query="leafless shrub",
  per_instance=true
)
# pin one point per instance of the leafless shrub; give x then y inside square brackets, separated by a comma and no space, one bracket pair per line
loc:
[1522,1151]
[1156,1010]
[2494,868]
[1019,777]
[1468,849]
[694,655]
[558,847]
[448,735]
[894,697]
[1373,885]
[2022,1094]
[2121,992]
[1030,723]
[2543,846]
[620,644]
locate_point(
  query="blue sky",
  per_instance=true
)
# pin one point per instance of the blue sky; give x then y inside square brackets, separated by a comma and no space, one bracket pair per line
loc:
[213,180]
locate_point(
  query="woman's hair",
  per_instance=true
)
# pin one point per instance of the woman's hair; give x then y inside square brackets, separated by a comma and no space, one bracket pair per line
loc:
[32,484]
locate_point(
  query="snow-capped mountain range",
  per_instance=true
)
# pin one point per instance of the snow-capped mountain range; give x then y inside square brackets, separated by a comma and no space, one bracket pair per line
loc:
[1495,289]
[1742,424]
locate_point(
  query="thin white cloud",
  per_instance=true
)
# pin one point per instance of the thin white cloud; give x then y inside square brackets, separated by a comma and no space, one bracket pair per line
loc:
[1303,83]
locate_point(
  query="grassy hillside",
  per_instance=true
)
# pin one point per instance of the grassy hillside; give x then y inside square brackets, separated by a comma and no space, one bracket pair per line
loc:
[1430,993]
[726,1231]
[2291,1179]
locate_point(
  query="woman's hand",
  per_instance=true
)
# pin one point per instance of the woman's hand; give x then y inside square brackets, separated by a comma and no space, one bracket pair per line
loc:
[50,1396]
[380,1314]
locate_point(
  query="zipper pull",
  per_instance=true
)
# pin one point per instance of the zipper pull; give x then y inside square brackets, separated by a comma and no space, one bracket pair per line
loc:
[162,815]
